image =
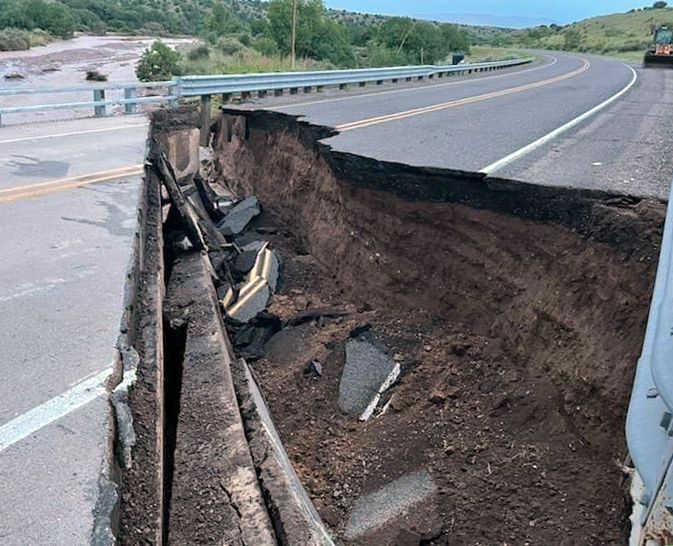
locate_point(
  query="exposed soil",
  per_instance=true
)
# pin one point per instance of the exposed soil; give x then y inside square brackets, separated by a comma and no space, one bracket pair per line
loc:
[516,312]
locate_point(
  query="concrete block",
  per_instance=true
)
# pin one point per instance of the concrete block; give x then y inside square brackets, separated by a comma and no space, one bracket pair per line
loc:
[182,150]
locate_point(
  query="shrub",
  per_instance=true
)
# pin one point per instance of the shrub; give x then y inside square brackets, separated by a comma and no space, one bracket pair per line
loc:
[95,76]
[229,45]
[152,28]
[198,52]
[157,63]
[245,39]
[14,39]
[267,46]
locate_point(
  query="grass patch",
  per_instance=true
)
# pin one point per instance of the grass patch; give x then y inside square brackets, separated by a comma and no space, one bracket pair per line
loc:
[483,54]
[195,60]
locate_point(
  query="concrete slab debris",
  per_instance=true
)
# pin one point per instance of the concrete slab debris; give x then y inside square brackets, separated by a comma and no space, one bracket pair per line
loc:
[255,292]
[239,216]
[390,502]
[251,303]
[245,261]
[368,372]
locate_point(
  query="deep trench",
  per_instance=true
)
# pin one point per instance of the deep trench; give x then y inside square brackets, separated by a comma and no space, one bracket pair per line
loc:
[516,310]
[174,351]
[546,286]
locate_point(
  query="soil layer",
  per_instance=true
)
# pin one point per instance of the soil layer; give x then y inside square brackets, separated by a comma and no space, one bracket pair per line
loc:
[516,312]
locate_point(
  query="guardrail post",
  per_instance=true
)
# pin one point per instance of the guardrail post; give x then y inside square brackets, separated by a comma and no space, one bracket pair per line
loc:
[343,86]
[394,80]
[205,119]
[420,78]
[379,82]
[320,88]
[0,120]
[261,94]
[308,89]
[226,97]
[130,93]
[173,92]
[408,79]
[245,95]
[99,95]
[294,90]
[278,93]
[362,84]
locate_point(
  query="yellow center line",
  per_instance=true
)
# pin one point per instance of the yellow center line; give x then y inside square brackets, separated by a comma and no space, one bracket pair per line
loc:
[469,100]
[43,188]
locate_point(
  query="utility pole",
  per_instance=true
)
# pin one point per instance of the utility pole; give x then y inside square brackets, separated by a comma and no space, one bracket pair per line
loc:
[294,30]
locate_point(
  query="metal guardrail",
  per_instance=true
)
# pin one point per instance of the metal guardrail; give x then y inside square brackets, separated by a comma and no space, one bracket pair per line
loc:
[226,85]
[649,423]
[236,83]
[99,103]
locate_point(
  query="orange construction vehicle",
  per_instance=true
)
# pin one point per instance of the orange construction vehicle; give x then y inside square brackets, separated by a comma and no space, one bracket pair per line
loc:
[661,49]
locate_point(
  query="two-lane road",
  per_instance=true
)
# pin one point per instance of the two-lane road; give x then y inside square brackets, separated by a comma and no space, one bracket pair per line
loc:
[532,124]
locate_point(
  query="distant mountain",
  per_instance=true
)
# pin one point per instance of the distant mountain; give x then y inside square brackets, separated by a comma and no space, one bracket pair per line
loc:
[488,20]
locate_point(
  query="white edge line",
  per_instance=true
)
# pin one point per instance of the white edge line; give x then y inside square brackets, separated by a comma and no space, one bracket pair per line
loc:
[60,135]
[493,167]
[40,416]
[408,89]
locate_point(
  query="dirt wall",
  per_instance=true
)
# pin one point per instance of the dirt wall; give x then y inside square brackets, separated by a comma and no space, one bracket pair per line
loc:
[548,288]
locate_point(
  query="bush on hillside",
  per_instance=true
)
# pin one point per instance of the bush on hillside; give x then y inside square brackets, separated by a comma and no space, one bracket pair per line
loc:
[14,39]
[198,52]
[229,45]
[157,63]
[267,46]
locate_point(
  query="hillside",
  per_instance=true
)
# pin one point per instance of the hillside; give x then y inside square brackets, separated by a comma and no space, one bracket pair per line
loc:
[625,35]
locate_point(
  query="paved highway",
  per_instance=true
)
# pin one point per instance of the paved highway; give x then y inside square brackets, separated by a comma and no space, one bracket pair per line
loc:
[64,253]
[67,197]
[474,123]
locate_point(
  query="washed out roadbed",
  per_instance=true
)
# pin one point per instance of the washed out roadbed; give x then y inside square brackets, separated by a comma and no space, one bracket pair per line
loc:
[516,313]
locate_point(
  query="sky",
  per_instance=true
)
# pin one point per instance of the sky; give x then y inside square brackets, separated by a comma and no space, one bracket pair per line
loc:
[559,11]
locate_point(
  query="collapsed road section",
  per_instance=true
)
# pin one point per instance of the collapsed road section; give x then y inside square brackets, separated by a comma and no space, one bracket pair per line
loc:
[328,349]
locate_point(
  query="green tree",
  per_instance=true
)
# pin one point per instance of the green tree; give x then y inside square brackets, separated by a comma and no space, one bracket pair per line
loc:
[317,37]
[220,22]
[659,5]
[394,33]
[53,17]
[57,19]
[157,63]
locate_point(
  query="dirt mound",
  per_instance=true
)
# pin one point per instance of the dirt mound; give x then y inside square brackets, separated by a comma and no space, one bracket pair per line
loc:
[517,313]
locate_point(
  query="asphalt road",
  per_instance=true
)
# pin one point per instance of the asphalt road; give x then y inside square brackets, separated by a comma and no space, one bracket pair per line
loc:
[64,255]
[472,123]
[66,241]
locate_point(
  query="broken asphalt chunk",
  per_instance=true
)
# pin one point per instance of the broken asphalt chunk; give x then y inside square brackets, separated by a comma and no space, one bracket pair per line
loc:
[389,503]
[249,339]
[367,373]
[239,217]
[314,367]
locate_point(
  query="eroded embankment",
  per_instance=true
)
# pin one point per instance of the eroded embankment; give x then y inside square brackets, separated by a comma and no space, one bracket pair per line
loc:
[517,312]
